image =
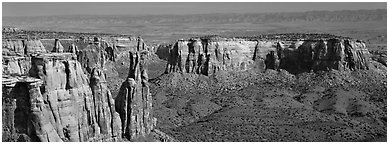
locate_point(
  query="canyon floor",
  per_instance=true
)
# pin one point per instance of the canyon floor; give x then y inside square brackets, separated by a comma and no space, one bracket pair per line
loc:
[261,106]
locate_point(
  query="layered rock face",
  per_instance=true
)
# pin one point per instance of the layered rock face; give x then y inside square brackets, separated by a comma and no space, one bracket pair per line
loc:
[16,108]
[16,65]
[91,57]
[338,54]
[209,55]
[134,102]
[22,47]
[58,48]
[65,106]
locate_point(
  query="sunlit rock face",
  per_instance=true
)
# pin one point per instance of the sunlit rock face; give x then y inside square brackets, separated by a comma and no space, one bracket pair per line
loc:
[134,102]
[63,104]
[22,47]
[210,55]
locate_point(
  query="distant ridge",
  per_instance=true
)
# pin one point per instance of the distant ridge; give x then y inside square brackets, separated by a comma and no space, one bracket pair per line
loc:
[325,16]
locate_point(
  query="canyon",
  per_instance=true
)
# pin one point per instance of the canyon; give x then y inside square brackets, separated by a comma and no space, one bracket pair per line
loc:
[62,92]
[101,87]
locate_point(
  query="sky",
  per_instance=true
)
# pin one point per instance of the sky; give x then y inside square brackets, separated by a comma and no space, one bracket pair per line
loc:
[153,8]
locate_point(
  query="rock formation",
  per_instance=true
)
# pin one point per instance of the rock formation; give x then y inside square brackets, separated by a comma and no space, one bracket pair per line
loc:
[22,47]
[134,102]
[209,55]
[338,54]
[16,65]
[58,48]
[91,57]
[63,105]
[10,29]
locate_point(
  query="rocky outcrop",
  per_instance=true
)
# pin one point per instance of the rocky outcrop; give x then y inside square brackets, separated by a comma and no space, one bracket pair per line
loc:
[10,29]
[91,57]
[134,102]
[64,105]
[16,108]
[210,55]
[338,54]
[16,65]
[22,47]
[58,48]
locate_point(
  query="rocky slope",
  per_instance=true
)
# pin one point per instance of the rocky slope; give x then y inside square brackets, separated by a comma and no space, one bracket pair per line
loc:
[212,54]
[227,91]
[272,106]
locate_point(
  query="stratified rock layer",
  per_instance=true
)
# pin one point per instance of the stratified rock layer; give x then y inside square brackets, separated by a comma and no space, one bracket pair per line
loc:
[209,55]
[16,65]
[338,54]
[134,102]
[65,106]
[22,47]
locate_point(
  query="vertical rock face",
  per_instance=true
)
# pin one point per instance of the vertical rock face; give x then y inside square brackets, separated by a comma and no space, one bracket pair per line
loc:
[70,101]
[22,47]
[91,57]
[34,46]
[58,48]
[134,102]
[125,45]
[16,108]
[338,54]
[16,65]
[73,48]
[107,117]
[209,55]
[64,105]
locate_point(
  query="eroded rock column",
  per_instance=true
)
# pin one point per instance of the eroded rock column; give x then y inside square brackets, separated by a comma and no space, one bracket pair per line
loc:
[134,102]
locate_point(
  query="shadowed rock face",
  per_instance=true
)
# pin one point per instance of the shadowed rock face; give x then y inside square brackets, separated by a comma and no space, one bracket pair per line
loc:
[210,55]
[134,102]
[64,105]
[338,54]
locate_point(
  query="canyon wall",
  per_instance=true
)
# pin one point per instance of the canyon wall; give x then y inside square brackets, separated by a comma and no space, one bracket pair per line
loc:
[209,55]
[65,97]
[22,47]
[64,105]
[134,102]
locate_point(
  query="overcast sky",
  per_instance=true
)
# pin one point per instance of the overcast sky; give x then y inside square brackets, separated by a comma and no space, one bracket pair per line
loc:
[44,9]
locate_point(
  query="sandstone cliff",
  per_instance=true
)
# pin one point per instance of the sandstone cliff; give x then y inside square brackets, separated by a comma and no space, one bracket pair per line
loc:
[64,106]
[16,65]
[210,55]
[338,54]
[22,47]
[134,102]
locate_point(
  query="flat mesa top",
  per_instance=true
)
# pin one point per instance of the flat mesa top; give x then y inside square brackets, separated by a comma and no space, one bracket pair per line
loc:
[282,36]
[22,34]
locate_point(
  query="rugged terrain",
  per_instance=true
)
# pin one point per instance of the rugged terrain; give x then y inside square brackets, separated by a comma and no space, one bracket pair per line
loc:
[75,86]
[328,89]
[62,88]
